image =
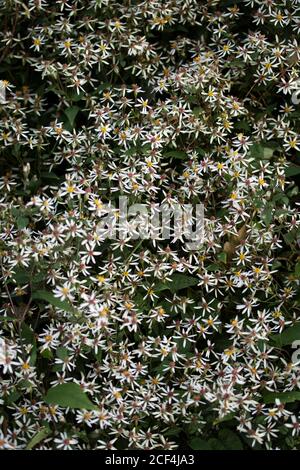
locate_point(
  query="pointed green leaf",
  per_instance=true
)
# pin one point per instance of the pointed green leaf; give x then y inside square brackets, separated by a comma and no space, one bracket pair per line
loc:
[199,444]
[176,154]
[38,437]
[230,440]
[288,336]
[292,170]
[69,395]
[284,397]
[71,114]
[179,281]
[51,299]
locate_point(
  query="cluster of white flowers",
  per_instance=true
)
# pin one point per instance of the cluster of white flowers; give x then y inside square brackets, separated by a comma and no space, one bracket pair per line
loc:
[164,102]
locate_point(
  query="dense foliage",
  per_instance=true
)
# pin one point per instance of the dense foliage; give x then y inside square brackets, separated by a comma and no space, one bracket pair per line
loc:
[132,342]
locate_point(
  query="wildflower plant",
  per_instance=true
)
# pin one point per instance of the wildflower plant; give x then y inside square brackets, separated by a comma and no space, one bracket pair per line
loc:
[130,342]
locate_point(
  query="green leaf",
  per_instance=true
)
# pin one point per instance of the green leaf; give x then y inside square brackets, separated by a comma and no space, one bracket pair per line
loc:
[21,276]
[175,431]
[47,354]
[51,299]
[176,154]
[197,111]
[267,152]
[222,257]
[199,444]
[74,96]
[69,395]
[16,150]
[256,151]
[290,237]
[28,337]
[213,267]
[62,353]
[200,151]
[27,334]
[267,214]
[132,151]
[230,440]
[38,437]
[2,318]
[71,114]
[292,170]
[179,281]
[259,151]
[284,397]
[13,397]
[49,176]
[22,222]
[225,418]
[297,270]
[105,85]
[241,124]
[288,336]
[215,444]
